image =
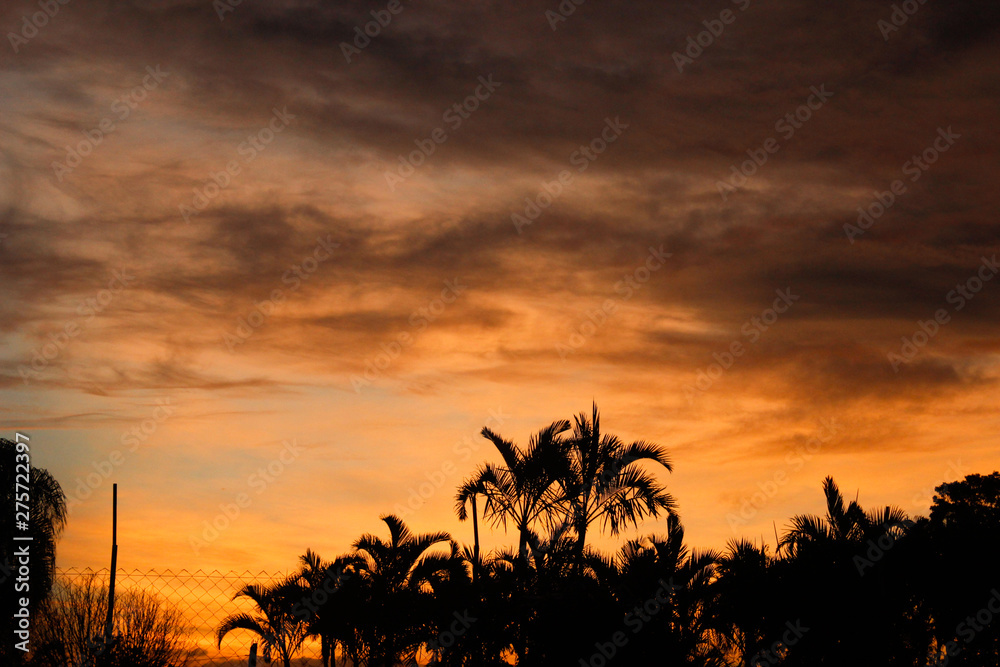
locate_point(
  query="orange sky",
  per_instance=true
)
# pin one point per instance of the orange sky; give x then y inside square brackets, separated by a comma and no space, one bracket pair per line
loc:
[229,276]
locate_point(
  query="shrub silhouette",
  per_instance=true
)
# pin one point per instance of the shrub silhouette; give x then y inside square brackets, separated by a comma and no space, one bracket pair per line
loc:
[148,631]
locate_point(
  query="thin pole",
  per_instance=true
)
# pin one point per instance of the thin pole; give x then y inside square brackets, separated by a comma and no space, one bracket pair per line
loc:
[109,624]
[475,532]
[475,525]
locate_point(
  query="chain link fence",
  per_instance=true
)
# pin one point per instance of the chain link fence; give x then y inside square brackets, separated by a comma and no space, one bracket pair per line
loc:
[204,599]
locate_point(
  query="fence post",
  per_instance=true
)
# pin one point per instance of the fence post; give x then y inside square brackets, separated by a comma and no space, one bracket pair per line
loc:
[109,625]
[253,655]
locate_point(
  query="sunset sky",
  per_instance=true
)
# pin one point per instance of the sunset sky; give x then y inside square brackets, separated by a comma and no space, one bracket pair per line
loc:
[224,247]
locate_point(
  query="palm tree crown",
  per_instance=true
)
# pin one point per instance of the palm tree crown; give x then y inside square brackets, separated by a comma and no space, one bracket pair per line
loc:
[281,630]
[524,490]
[604,481]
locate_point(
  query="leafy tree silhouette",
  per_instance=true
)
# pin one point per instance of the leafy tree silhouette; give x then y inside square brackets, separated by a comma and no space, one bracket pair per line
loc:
[958,545]
[280,629]
[46,510]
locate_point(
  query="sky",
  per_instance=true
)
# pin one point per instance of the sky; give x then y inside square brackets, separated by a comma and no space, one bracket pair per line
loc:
[269,272]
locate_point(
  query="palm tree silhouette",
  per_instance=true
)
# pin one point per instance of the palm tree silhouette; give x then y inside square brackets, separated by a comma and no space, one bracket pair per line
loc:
[829,579]
[744,593]
[842,523]
[323,581]
[683,631]
[46,508]
[524,490]
[397,579]
[281,630]
[604,480]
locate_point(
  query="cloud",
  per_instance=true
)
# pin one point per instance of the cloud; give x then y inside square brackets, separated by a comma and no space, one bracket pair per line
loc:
[324,176]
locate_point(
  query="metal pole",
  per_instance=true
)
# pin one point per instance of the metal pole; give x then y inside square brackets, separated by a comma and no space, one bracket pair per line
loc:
[475,526]
[109,624]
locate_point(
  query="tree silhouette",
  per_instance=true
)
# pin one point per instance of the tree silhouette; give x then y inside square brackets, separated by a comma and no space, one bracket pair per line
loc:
[852,586]
[840,578]
[842,523]
[280,629]
[666,594]
[524,490]
[396,579]
[958,544]
[745,595]
[45,505]
[325,604]
[149,631]
[604,480]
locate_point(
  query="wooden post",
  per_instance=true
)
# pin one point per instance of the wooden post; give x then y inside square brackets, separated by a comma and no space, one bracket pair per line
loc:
[253,655]
[110,623]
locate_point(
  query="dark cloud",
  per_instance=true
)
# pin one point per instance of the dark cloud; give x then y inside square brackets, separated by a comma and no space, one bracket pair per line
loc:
[656,185]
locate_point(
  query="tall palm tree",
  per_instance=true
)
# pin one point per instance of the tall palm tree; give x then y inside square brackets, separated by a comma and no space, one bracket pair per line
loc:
[281,630]
[326,613]
[397,578]
[524,490]
[605,481]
